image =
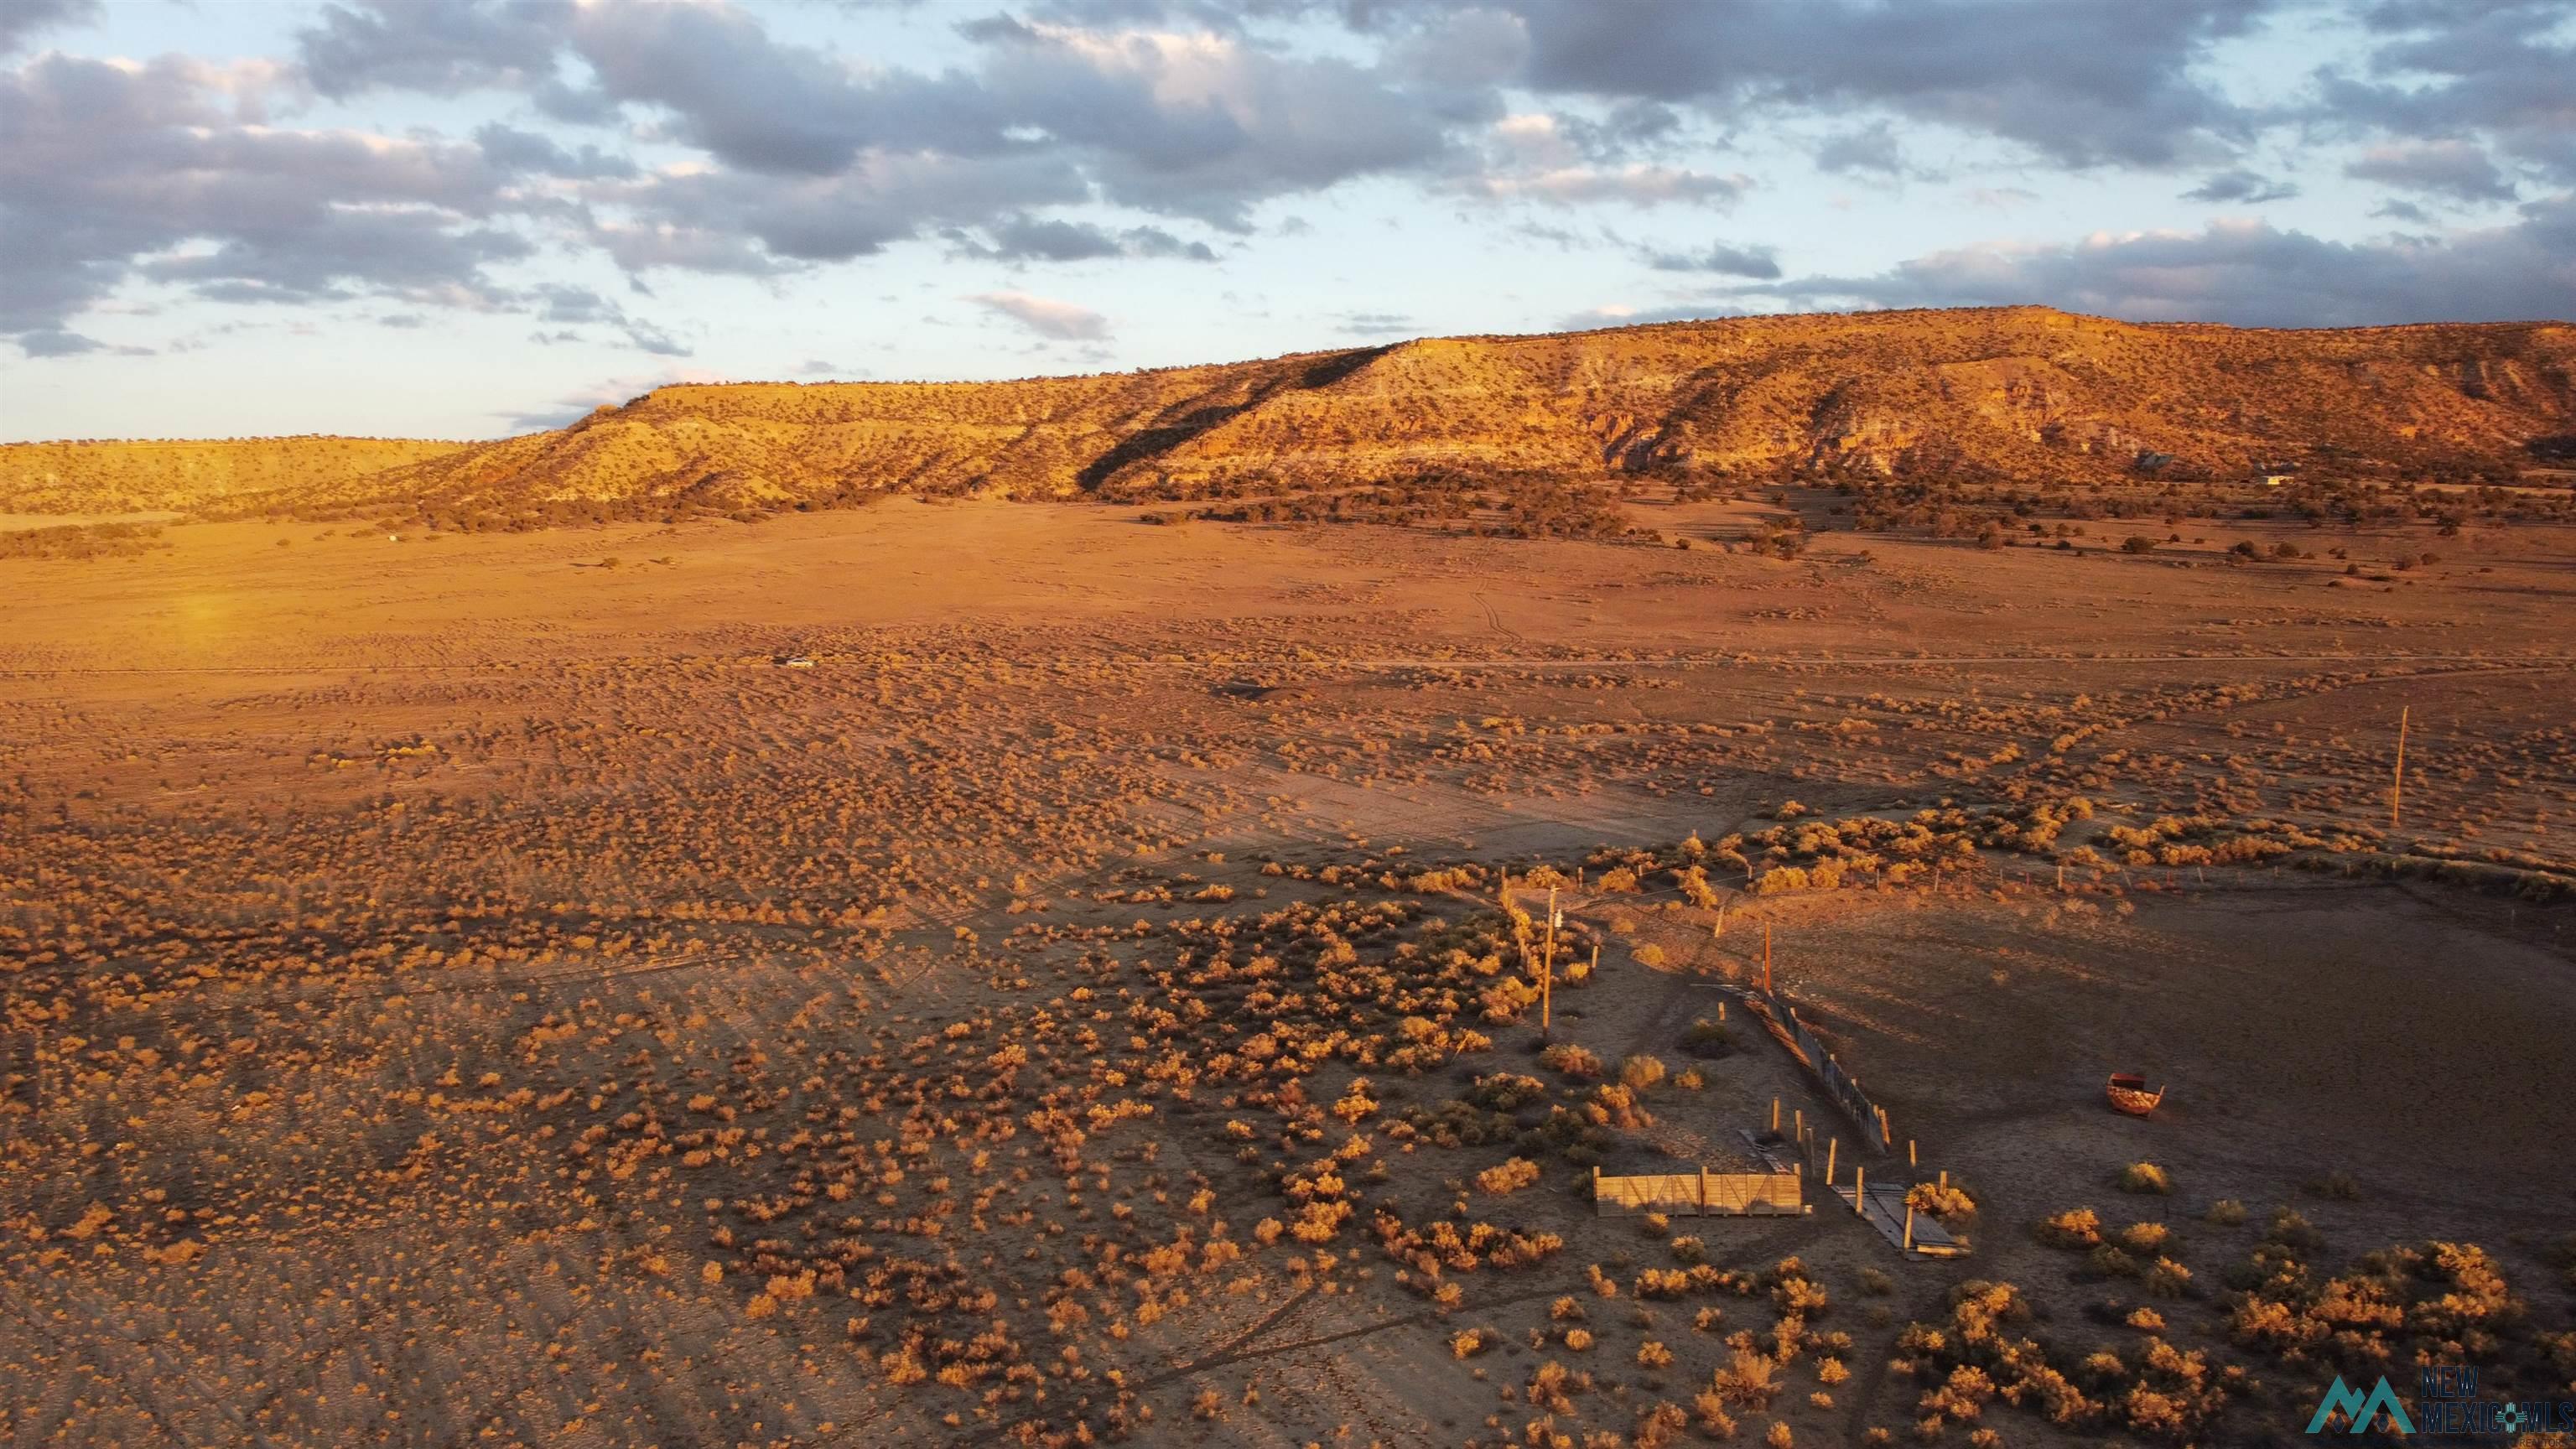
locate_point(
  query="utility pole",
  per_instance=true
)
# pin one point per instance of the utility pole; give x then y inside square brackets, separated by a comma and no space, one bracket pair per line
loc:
[2397,784]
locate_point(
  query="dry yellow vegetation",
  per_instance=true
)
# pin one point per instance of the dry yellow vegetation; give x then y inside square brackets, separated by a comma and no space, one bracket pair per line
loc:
[980,972]
[2008,395]
[153,476]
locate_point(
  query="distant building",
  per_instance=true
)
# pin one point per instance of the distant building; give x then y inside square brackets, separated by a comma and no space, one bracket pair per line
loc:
[2273,475]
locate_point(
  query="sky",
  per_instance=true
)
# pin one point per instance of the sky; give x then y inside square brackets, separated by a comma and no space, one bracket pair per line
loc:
[469,218]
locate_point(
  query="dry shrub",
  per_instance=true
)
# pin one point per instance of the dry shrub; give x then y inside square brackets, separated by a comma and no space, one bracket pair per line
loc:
[2146,1178]
[1571,1061]
[1508,1176]
[1749,1379]
[1949,1204]
[1641,1071]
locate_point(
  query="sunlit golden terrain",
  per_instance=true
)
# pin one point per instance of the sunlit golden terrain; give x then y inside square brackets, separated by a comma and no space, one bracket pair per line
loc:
[1037,948]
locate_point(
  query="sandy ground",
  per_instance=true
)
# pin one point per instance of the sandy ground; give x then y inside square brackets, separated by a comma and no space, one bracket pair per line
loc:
[324,845]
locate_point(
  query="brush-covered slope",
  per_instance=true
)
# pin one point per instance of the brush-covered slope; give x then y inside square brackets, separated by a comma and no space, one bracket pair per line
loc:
[2019,394]
[181,477]
[764,445]
[2025,394]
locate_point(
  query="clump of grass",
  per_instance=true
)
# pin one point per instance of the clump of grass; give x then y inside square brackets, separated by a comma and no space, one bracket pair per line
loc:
[2107,1261]
[1707,1038]
[2227,1212]
[2336,1187]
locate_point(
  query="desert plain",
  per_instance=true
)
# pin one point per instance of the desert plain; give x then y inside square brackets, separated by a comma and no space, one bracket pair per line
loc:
[953,969]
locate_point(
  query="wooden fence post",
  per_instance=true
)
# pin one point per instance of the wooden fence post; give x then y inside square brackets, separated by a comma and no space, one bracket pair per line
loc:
[2397,782]
[1831,1149]
[1860,1190]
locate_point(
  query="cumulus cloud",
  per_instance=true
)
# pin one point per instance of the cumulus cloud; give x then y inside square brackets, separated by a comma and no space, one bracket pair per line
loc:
[1045,316]
[2240,187]
[1375,324]
[725,220]
[2247,273]
[439,46]
[55,342]
[22,20]
[1636,184]
[511,149]
[115,170]
[569,305]
[1871,148]
[821,157]
[1201,123]
[1035,239]
[732,90]
[692,135]
[2438,70]
[1546,158]
[1759,262]
[2083,82]
[2459,170]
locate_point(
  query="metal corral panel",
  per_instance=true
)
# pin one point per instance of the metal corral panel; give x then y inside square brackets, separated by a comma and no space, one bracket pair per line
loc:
[1696,1194]
[1885,1211]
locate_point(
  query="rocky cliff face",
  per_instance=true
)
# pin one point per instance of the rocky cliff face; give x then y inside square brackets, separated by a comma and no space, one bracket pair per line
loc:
[2022,394]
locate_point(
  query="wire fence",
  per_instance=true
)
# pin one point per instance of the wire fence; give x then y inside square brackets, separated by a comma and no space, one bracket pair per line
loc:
[1839,1085]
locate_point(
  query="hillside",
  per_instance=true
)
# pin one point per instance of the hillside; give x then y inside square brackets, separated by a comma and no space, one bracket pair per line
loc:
[2019,395]
[182,477]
